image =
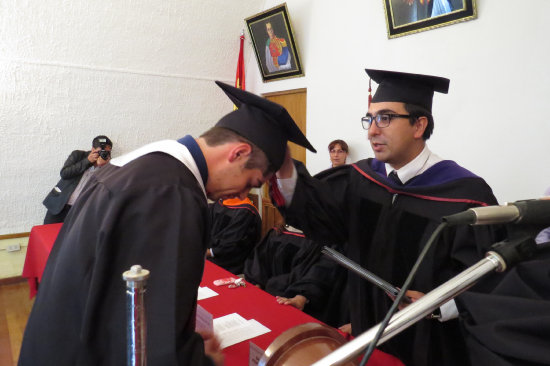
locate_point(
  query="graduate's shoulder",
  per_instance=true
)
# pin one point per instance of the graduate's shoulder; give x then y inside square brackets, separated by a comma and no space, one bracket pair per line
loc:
[344,170]
[150,170]
[448,173]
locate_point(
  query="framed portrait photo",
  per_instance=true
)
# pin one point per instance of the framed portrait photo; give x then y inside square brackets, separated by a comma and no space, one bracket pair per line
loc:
[274,44]
[412,16]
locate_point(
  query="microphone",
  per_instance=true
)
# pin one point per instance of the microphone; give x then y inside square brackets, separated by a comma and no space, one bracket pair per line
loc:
[526,212]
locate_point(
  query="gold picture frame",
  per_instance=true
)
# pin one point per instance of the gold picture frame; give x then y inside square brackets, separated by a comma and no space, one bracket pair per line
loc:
[274,44]
[405,17]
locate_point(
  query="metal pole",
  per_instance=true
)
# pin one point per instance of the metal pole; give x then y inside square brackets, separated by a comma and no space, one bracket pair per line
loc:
[417,310]
[351,265]
[136,324]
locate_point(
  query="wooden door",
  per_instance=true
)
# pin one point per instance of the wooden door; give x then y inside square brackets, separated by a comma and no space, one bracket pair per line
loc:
[295,103]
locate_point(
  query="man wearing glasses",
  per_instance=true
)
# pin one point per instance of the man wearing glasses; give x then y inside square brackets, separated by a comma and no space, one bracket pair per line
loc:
[385,209]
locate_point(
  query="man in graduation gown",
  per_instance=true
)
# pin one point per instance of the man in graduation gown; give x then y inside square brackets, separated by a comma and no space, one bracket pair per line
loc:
[386,220]
[149,207]
[236,229]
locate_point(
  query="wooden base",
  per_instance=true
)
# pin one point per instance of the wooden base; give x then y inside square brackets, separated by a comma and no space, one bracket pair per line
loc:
[303,345]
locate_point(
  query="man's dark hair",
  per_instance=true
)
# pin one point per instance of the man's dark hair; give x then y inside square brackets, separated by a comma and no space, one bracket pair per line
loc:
[258,160]
[342,144]
[417,112]
[96,142]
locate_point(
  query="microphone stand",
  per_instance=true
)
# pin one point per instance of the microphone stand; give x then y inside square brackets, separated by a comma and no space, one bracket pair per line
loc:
[502,256]
[357,269]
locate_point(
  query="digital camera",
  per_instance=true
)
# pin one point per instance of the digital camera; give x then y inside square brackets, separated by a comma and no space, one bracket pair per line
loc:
[104,154]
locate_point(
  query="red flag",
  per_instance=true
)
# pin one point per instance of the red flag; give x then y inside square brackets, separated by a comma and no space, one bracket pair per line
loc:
[239,79]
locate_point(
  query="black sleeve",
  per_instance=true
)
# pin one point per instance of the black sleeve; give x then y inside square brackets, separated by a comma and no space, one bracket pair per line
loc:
[317,282]
[257,267]
[510,325]
[319,204]
[235,232]
[75,165]
[270,263]
[239,236]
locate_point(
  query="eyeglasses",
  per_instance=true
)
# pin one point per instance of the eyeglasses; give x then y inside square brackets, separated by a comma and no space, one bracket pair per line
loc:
[336,151]
[382,120]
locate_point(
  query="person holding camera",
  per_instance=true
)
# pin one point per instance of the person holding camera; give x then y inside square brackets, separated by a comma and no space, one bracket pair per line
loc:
[76,171]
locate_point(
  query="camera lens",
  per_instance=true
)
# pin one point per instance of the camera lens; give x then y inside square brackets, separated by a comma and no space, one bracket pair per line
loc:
[104,154]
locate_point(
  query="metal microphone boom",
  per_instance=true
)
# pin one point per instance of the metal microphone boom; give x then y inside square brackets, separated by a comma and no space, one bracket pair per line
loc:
[504,255]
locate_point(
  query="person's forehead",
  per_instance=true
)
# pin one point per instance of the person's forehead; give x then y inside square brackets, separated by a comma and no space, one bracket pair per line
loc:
[393,106]
[254,174]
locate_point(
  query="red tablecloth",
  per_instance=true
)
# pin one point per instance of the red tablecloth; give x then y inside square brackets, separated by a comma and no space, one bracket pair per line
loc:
[250,302]
[41,241]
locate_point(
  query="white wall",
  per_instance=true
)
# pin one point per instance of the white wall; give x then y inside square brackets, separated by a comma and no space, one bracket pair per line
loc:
[140,71]
[494,119]
[137,71]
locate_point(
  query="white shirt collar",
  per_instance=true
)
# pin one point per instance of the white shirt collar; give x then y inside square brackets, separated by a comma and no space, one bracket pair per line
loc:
[417,166]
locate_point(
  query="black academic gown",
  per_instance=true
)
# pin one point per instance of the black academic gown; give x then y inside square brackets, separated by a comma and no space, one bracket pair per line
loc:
[386,226]
[510,325]
[235,231]
[286,263]
[151,212]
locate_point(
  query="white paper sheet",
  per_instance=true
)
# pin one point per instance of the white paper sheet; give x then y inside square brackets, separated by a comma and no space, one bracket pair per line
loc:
[205,293]
[233,328]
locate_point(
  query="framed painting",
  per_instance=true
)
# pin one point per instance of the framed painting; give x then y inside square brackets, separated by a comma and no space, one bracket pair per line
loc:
[411,16]
[274,44]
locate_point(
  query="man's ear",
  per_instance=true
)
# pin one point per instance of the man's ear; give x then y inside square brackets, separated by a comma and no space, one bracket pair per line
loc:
[239,151]
[420,126]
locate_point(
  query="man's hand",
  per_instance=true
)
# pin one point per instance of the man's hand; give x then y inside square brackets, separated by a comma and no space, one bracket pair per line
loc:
[101,162]
[212,347]
[346,328]
[94,155]
[298,301]
[412,295]
[288,165]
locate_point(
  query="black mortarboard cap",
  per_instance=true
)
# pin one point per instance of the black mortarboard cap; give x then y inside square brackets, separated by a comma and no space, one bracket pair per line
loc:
[263,122]
[403,87]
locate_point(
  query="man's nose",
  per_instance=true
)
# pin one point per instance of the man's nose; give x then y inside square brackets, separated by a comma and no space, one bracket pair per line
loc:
[373,130]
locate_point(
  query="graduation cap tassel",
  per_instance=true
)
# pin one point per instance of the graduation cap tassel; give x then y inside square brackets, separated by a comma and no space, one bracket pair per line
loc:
[370,90]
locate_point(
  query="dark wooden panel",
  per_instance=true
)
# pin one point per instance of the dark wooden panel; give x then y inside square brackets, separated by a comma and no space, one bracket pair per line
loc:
[271,217]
